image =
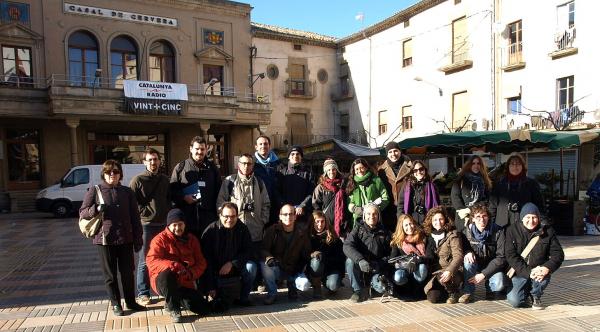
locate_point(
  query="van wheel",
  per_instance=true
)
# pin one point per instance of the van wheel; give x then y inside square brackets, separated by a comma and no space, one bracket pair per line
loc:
[61,209]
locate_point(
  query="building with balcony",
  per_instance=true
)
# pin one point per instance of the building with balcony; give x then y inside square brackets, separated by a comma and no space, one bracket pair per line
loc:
[64,66]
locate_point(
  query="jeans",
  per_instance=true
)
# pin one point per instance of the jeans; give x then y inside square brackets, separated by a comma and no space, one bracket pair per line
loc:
[248,276]
[520,286]
[401,275]
[357,278]
[273,273]
[317,270]
[494,284]
[142,279]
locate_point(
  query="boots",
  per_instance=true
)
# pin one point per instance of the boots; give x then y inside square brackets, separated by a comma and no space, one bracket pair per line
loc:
[317,288]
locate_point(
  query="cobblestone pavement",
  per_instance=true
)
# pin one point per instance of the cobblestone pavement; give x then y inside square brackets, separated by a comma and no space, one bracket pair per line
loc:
[50,281]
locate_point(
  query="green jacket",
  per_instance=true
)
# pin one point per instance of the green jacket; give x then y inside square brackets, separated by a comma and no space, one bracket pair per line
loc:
[362,195]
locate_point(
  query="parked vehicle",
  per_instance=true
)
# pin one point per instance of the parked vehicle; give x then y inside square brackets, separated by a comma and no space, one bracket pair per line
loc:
[66,196]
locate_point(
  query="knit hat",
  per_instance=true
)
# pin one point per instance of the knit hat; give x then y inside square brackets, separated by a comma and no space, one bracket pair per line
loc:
[391,145]
[175,215]
[296,148]
[529,208]
[329,164]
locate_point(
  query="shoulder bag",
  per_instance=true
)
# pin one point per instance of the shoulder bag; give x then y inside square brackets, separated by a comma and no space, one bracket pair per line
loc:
[90,227]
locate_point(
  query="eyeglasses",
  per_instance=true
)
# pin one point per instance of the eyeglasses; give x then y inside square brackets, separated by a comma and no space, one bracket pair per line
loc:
[286,214]
[420,170]
[233,216]
[479,217]
[114,172]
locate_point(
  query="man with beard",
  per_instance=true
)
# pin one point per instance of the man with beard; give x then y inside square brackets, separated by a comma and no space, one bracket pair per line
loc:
[297,184]
[265,168]
[195,184]
[393,172]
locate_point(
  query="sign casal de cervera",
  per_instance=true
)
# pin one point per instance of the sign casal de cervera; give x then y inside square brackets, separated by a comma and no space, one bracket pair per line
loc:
[155,98]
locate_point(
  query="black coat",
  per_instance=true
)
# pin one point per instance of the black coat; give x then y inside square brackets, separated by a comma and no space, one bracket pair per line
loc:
[461,196]
[547,252]
[292,257]
[490,259]
[332,254]
[296,185]
[221,245]
[268,174]
[202,213]
[523,191]
[370,244]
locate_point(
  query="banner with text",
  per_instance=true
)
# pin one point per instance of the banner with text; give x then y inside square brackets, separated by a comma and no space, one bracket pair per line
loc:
[155,98]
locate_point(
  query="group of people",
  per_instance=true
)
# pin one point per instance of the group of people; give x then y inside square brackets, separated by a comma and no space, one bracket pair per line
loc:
[203,241]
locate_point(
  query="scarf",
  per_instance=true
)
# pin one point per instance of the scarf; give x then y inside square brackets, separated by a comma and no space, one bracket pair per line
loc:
[272,157]
[430,196]
[409,247]
[335,185]
[363,180]
[477,191]
[438,236]
[480,237]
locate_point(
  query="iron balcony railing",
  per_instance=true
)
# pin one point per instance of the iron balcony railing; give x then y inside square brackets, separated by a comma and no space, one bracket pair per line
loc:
[512,54]
[299,88]
[564,38]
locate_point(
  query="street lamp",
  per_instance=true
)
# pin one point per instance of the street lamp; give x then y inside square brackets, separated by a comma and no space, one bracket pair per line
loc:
[211,83]
[261,76]
[420,79]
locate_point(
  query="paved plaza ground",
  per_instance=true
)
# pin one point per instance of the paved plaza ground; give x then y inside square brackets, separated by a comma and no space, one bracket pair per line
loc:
[50,280]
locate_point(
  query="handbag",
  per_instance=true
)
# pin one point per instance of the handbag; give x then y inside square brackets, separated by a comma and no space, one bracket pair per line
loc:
[90,227]
[524,254]
[406,262]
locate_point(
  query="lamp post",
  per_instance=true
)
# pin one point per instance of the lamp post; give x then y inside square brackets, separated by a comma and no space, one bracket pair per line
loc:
[420,79]
[211,83]
[257,77]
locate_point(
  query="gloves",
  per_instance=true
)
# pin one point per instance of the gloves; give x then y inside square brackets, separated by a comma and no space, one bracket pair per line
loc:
[316,254]
[462,213]
[397,265]
[364,266]
[272,262]
[137,247]
[101,207]
[178,268]
[378,201]
[357,210]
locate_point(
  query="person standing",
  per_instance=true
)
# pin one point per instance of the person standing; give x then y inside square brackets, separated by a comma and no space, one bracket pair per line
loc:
[251,197]
[419,194]
[227,246]
[195,184]
[472,185]
[296,184]
[364,187]
[265,168]
[330,198]
[120,234]
[531,273]
[394,172]
[512,192]
[175,262]
[151,190]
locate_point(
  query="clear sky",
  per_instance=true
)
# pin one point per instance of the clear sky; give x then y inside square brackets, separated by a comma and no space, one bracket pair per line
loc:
[336,18]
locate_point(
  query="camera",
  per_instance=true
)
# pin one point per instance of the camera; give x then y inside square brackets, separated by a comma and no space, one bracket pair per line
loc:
[248,207]
[198,195]
[420,209]
[513,207]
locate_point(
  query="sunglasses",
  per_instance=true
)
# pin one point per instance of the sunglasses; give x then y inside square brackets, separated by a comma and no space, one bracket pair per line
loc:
[114,172]
[419,170]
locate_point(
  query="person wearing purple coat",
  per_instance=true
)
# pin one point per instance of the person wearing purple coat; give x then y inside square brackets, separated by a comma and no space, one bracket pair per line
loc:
[419,194]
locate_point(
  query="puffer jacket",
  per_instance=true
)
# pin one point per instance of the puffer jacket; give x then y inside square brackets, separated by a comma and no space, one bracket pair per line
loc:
[166,249]
[371,244]
[332,255]
[547,252]
[121,223]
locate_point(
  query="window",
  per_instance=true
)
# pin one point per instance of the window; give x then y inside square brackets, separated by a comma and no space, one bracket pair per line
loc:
[322,76]
[297,80]
[297,47]
[407,23]
[23,154]
[16,62]
[565,89]
[382,122]
[213,79]
[515,46]
[566,15]
[514,105]
[162,62]
[407,119]
[77,177]
[407,53]
[272,71]
[460,110]
[298,127]
[459,40]
[456,2]
[83,59]
[123,61]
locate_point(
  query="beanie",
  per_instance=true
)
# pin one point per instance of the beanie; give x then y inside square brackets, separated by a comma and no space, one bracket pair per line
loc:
[391,145]
[329,164]
[298,149]
[529,208]
[175,215]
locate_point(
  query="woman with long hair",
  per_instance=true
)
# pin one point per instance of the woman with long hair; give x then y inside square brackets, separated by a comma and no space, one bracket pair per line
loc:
[472,185]
[327,257]
[445,244]
[409,239]
[120,234]
[419,194]
[364,187]
[329,196]
[512,192]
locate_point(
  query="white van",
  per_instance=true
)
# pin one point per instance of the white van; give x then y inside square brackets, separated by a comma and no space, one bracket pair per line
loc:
[66,197]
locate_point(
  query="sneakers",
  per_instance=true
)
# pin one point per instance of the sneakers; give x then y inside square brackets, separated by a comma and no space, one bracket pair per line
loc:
[356,297]
[270,299]
[452,298]
[537,304]
[465,298]
[176,316]
[118,310]
[144,300]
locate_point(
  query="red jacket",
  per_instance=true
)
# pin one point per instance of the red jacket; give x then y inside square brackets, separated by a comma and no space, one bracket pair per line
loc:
[166,249]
